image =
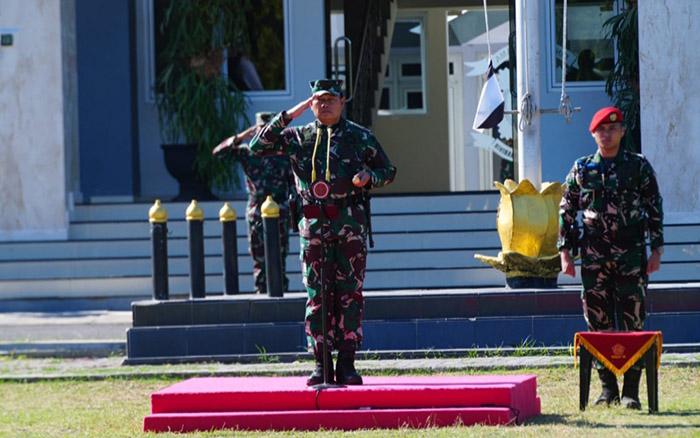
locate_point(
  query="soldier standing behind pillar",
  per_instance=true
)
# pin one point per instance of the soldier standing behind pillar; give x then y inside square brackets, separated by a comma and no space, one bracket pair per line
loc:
[341,159]
[617,193]
[264,176]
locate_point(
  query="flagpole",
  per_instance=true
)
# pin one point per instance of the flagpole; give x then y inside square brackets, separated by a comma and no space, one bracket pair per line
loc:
[527,37]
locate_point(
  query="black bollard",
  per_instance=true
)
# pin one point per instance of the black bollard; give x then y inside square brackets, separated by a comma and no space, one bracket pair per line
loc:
[195,235]
[273,256]
[158,217]
[227,217]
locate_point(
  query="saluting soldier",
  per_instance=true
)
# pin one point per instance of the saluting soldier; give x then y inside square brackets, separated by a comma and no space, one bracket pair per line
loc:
[617,193]
[333,160]
[264,176]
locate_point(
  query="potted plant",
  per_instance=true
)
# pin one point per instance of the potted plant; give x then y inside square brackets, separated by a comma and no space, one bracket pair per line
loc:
[623,83]
[198,105]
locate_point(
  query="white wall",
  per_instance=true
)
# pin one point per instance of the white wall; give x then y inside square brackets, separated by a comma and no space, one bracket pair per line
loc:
[32,159]
[670,101]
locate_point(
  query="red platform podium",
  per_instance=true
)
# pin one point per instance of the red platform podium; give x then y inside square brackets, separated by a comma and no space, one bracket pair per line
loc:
[618,352]
[286,403]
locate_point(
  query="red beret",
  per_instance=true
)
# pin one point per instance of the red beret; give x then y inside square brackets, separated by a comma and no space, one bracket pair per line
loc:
[608,114]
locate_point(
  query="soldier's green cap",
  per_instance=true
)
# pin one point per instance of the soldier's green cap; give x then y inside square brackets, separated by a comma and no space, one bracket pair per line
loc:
[263,117]
[326,86]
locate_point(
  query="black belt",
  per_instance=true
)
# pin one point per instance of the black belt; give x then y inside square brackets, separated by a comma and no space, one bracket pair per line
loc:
[329,207]
[348,201]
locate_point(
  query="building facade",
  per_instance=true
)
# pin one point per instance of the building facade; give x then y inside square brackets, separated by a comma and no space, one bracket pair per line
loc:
[79,123]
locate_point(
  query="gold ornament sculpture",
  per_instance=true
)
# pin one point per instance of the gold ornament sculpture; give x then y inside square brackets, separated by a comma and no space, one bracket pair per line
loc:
[528,226]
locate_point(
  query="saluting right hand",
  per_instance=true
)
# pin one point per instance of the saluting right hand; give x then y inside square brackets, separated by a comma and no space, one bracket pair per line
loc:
[299,108]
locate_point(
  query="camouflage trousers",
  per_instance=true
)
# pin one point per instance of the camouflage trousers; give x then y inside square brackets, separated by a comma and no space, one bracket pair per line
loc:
[256,247]
[344,273]
[613,294]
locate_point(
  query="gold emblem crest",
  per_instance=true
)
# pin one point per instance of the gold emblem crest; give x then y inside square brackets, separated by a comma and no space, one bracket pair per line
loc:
[618,350]
[613,117]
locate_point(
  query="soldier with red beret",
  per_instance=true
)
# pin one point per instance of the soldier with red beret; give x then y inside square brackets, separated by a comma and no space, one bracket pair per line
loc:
[617,193]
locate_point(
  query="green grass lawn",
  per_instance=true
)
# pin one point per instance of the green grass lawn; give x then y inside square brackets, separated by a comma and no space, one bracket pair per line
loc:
[116,408]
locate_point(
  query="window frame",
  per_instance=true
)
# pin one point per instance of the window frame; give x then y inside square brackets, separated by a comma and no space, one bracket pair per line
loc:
[407,91]
[393,76]
[149,70]
[554,72]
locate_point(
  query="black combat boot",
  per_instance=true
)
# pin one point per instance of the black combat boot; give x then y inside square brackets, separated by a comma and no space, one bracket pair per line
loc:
[345,373]
[316,378]
[610,394]
[630,389]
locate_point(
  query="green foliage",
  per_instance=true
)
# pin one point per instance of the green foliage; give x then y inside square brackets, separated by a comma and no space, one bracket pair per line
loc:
[196,103]
[623,83]
[264,356]
[267,20]
[116,407]
[525,347]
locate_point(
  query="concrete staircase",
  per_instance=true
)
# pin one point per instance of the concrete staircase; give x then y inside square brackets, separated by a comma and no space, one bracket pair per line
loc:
[422,242]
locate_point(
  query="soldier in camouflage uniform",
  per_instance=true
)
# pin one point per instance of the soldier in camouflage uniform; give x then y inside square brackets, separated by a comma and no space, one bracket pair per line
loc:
[264,176]
[617,193]
[349,158]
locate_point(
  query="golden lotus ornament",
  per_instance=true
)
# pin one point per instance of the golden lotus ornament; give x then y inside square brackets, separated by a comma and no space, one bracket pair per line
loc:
[528,227]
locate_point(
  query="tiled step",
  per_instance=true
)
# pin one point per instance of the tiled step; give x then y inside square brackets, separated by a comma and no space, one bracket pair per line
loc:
[404,223]
[177,246]
[141,286]
[376,279]
[455,202]
[141,266]
[178,264]
[403,306]
[159,344]
[422,241]
[450,222]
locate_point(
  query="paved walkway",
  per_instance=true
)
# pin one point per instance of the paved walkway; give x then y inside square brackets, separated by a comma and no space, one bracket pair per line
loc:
[50,326]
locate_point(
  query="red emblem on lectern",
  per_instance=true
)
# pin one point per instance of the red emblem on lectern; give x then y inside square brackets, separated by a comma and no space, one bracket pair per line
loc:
[618,351]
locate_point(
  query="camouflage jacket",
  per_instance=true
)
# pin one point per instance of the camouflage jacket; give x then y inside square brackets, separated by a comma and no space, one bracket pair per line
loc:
[353,148]
[619,200]
[266,176]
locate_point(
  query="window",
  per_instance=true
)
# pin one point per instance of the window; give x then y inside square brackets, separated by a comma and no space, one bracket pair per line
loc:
[414,99]
[404,83]
[259,64]
[384,101]
[411,69]
[590,56]
[265,20]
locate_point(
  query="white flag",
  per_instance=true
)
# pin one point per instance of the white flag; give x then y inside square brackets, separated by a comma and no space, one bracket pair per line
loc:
[489,113]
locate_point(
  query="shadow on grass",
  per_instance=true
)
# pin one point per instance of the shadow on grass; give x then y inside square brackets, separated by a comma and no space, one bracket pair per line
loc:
[565,420]
[568,420]
[695,412]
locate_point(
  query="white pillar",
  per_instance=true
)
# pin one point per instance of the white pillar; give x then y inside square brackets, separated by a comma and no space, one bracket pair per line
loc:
[527,37]
[670,102]
[32,131]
